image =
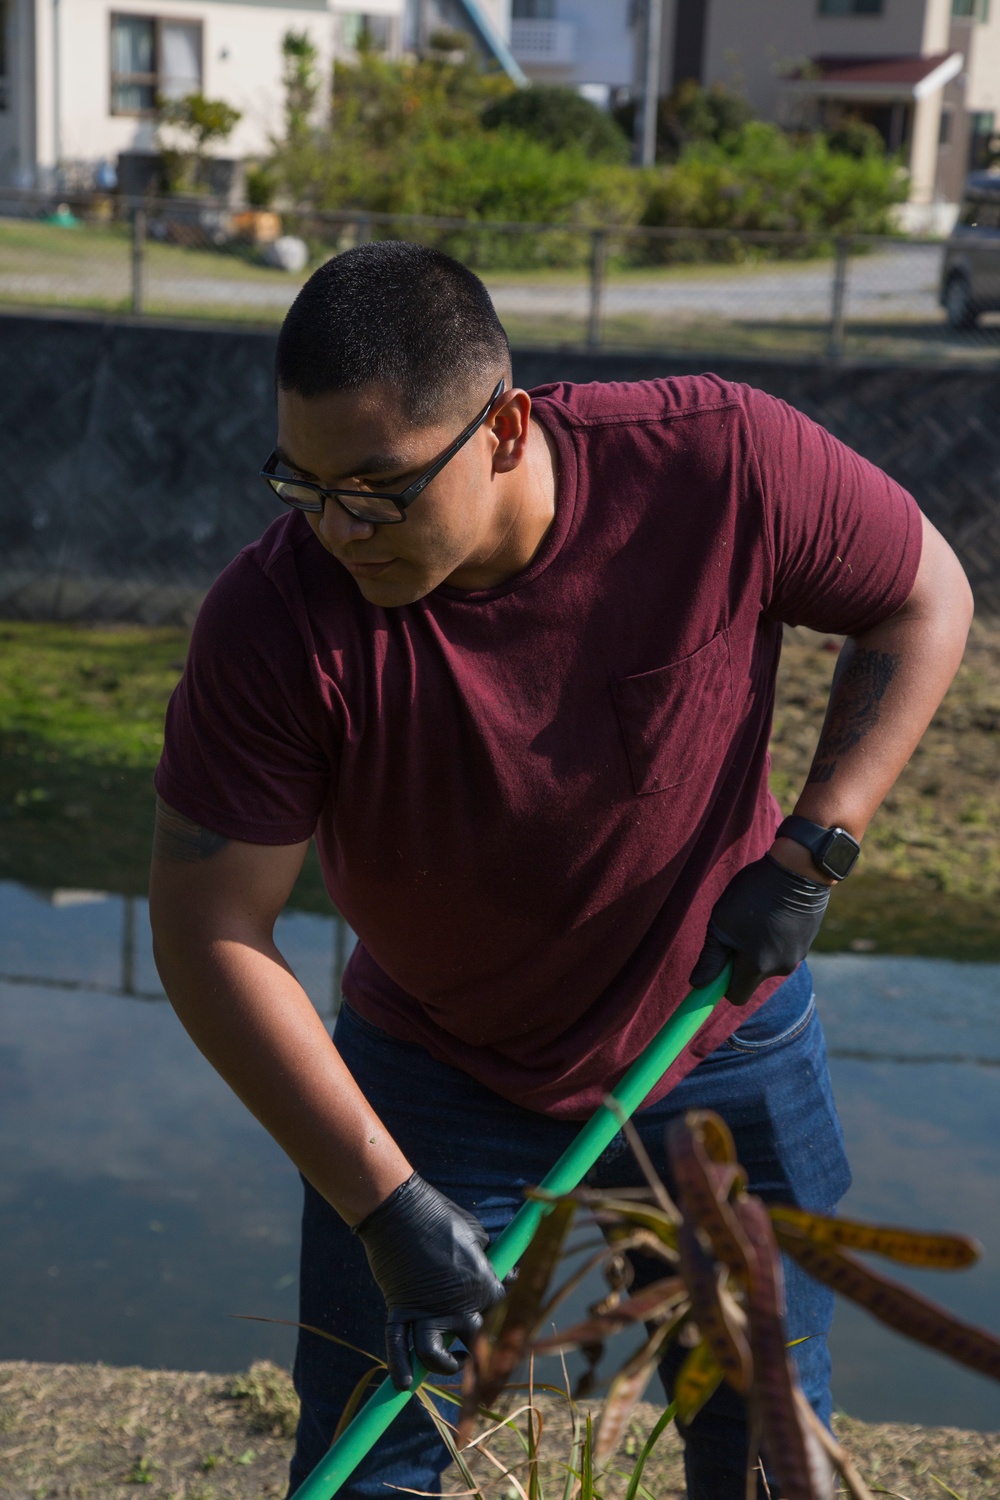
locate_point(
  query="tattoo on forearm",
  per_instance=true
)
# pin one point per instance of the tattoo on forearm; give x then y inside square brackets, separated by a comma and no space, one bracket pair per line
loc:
[859,685]
[179,841]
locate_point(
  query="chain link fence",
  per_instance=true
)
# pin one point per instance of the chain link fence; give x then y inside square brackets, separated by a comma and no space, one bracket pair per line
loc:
[684,291]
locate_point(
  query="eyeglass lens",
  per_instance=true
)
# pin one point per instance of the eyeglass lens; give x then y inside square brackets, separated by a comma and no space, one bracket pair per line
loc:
[365,507]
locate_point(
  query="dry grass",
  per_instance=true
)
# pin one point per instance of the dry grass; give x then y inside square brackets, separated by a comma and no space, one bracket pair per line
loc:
[937,825]
[929,874]
[93,1432]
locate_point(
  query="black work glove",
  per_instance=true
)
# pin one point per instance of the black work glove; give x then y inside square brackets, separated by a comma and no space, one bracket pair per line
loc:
[427,1256]
[765,921]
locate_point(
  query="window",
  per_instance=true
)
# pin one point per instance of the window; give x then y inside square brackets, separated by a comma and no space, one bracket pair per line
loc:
[151,59]
[976,10]
[533,10]
[945,126]
[690,30]
[357,29]
[982,139]
[851,7]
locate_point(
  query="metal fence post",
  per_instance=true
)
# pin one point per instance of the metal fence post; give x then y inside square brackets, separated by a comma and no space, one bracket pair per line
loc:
[138,257]
[598,266]
[128,945]
[838,305]
[363,231]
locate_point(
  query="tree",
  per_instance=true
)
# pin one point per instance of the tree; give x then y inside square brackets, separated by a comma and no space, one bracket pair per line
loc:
[197,122]
[854,137]
[300,152]
[300,78]
[562,119]
[692,115]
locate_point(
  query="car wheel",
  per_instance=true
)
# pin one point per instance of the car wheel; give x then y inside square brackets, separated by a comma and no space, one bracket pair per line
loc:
[959,307]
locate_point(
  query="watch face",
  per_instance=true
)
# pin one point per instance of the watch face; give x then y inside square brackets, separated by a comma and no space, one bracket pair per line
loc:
[840,854]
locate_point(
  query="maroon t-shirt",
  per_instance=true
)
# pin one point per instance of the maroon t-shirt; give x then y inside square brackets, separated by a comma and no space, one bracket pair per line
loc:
[527,798]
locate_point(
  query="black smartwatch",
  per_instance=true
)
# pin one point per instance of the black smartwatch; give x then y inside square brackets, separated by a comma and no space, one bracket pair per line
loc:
[833,850]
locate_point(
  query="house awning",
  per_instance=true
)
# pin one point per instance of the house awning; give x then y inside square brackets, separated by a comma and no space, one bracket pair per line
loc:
[876,78]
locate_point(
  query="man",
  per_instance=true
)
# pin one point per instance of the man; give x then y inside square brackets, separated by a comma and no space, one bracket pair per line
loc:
[511,659]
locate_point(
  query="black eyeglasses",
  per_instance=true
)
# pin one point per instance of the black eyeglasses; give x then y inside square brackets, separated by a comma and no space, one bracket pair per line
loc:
[379,507]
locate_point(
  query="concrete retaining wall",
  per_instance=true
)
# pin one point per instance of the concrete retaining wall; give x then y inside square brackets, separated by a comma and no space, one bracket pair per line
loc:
[130,453]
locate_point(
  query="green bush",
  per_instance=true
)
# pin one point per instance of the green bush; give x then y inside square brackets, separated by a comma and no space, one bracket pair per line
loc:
[504,176]
[561,119]
[766,180]
[261,185]
[499,176]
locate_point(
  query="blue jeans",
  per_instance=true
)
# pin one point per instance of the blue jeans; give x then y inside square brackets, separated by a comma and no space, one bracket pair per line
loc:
[769,1081]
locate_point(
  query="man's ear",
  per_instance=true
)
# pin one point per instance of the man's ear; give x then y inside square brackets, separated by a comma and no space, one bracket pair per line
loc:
[509,424]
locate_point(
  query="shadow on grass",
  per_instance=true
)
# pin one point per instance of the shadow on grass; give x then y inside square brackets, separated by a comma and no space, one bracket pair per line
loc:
[874,913]
[794,338]
[67,822]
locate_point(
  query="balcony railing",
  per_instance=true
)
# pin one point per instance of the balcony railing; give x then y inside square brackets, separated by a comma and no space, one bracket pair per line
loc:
[543,42]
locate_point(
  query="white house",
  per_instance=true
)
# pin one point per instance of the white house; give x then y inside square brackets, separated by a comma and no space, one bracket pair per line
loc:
[79,79]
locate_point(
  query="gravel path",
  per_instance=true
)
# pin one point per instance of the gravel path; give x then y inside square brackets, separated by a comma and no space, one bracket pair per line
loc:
[899,284]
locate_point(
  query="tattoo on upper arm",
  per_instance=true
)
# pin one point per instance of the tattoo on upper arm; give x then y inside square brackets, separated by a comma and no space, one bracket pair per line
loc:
[179,841]
[859,685]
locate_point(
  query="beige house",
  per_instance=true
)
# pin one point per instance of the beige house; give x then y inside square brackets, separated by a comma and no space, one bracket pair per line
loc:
[925,73]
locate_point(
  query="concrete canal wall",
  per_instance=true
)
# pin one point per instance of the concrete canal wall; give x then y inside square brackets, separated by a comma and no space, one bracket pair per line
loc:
[130,452]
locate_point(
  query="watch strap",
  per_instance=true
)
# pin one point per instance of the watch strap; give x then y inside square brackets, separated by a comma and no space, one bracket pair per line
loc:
[817,839]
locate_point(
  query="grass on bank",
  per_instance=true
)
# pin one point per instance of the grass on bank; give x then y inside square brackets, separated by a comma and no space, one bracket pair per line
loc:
[81,711]
[81,726]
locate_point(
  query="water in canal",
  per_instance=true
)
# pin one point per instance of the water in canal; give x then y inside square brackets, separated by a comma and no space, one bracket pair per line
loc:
[141,1206]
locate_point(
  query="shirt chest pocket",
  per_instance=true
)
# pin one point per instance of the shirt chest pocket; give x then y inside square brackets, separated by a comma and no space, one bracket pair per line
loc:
[676,719]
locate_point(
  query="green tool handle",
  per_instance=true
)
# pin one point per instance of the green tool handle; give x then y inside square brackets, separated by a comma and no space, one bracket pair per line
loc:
[343,1456]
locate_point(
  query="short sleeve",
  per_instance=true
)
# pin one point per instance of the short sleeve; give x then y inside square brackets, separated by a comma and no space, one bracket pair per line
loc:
[241,756]
[845,539]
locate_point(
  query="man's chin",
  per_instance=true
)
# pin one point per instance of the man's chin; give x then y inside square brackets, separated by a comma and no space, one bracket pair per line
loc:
[388,592]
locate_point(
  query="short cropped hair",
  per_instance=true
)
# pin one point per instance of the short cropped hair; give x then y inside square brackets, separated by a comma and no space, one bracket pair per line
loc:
[395,314]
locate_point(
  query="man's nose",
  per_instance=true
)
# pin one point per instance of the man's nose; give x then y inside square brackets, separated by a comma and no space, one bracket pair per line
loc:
[338,527]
